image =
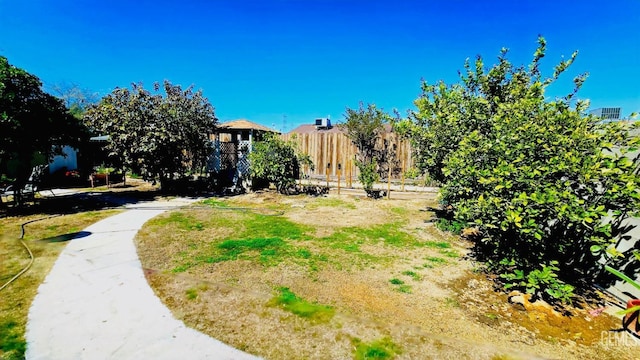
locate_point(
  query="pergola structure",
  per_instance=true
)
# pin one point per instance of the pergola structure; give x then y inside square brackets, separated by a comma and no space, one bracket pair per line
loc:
[233,141]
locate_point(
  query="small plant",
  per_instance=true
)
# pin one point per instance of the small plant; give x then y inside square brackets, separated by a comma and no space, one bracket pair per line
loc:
[538,280]
[396,281]
[289,301]
[453,226]
[378,349]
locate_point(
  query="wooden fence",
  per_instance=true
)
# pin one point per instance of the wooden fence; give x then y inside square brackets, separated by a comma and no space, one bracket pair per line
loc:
[327,150]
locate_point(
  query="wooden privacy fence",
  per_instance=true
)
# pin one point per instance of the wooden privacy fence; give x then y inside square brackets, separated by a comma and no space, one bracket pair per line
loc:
[327,150]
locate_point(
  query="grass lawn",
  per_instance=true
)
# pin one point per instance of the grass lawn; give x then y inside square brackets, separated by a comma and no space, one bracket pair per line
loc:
[342,277]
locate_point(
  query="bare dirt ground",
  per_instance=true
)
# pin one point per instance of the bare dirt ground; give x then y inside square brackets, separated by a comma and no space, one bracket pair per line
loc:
[442,307]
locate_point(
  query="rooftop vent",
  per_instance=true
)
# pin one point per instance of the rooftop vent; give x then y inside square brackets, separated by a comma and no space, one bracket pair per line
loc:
[323,123]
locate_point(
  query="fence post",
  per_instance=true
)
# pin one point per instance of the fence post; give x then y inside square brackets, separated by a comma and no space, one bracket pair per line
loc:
[389,184]
[328,167]
[403,174]
[339,174]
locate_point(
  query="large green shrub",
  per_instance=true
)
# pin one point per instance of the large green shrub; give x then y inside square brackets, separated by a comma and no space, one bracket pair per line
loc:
[540,180]
[277,161]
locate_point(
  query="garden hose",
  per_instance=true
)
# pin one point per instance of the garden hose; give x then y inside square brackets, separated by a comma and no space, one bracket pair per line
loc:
[31,257]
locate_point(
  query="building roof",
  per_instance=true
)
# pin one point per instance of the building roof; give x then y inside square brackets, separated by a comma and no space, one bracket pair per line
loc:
[311,129]
[244,124]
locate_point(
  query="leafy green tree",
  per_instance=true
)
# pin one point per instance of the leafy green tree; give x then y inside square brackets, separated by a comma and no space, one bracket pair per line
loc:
[539,179]
[363,126]
[33,125]
[158,137]
[277,162]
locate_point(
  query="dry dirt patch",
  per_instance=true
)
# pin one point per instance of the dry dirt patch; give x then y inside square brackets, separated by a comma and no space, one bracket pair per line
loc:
[382,267]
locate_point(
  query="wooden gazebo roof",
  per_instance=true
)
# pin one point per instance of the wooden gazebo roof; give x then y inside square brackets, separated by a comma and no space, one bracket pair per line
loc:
[243,124]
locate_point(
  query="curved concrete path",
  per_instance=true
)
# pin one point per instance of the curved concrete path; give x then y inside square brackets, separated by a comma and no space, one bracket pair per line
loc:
[96,303]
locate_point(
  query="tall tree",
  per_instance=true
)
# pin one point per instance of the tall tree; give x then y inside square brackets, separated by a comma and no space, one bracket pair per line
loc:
[33,124]
[364,126]
[158,136]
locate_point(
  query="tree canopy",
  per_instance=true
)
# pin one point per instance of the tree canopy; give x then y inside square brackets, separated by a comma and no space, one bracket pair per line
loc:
[363,126]
[33,124]
[159,137]
[538,178]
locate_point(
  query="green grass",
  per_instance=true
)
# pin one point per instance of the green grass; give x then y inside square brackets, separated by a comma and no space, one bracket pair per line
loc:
[272,239]
[399,211]
[215,203]
[181,220]
[491,316]
[388,233]
[451,302]
[12,345]
[413,275]
[269,250]
[259,225]
[449,253]
[331,202]
[401,286]
[437,244]
[266,238]
[192,293]
[434,261]
[290,302]
[381,349]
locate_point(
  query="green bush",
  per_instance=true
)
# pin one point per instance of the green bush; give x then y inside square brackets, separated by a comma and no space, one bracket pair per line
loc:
[540,179]
[368,174]
[277,161]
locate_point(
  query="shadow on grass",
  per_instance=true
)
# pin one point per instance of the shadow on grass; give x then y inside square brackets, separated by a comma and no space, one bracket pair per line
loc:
[66,237]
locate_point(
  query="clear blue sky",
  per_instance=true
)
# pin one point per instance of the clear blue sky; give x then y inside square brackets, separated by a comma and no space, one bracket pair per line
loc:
[262,60]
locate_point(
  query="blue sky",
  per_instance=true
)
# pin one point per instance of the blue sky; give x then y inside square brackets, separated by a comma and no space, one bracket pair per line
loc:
[264,60]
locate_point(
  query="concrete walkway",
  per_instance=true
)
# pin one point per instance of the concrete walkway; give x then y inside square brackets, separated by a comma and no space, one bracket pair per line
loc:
[96,303]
